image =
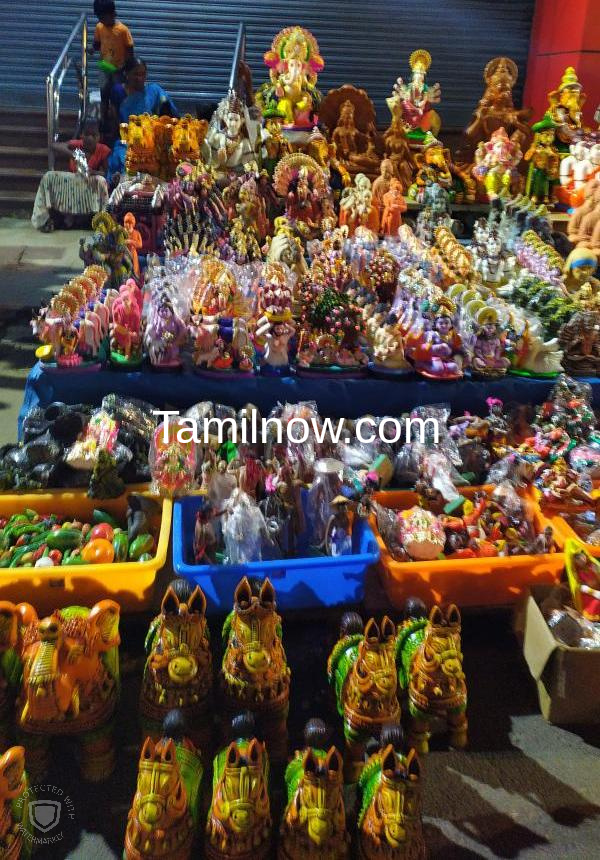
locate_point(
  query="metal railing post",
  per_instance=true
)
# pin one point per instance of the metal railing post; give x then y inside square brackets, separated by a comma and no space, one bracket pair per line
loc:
[238,54]
[83,95]
[50,119]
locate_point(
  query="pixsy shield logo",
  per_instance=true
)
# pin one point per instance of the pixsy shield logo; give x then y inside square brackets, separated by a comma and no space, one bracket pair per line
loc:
[45,814]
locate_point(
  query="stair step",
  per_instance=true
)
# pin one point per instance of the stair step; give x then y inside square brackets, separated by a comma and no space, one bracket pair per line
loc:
[20,178]
[24,156]
[25,134]
[14,201]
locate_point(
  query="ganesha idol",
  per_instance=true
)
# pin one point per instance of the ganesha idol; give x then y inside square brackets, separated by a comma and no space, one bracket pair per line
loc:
[495,167]
[294,62]
[437,351]
[565,105]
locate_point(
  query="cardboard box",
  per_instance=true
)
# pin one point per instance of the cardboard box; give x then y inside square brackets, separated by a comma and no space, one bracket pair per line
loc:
[567,678]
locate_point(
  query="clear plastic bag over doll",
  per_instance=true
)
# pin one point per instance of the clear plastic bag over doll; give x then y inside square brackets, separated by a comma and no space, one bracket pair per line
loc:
[244,530]
[172,459]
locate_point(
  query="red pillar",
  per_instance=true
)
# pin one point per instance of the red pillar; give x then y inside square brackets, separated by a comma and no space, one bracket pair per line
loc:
[564,33]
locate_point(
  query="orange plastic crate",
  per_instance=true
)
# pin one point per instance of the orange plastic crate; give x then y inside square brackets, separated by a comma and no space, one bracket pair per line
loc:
[130,583]
[466,582]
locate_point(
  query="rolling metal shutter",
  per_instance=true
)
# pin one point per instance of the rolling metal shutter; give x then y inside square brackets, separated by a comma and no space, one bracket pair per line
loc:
[189,45]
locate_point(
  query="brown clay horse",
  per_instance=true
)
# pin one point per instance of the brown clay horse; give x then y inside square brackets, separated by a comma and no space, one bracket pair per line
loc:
[362,670]
[178,671]
[429,658]
[255,675]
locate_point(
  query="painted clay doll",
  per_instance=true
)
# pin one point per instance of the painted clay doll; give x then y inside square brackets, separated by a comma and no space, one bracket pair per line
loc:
[394,205]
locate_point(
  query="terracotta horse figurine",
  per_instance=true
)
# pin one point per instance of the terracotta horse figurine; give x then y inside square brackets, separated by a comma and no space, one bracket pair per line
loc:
[178,670]
[255,675]
[164,815]
[12,622]
[430,670]
[14,806]
[314,821]
[70,684]
[239,821]
[389,823]
[362,670]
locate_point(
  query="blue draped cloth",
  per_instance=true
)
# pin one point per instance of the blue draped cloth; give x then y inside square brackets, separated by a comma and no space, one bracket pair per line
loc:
[337,398]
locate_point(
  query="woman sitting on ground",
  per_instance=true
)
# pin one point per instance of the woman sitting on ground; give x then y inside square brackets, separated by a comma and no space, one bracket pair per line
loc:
[62,195]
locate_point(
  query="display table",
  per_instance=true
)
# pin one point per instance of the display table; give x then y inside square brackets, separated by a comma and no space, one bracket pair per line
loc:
[349,398]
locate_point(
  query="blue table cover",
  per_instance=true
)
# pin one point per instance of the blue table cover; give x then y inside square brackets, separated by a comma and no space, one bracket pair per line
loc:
[336,398]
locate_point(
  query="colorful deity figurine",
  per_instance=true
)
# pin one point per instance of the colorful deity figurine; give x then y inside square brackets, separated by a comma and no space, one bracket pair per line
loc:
[429,658]
[496,164]
[544,161]
[489,359]
[362,671]
[164,815]
[435,165]
[314,821]
[565,105]
[254,674]
[239,823]
[233,138]
[70,684]
[583,573]
[394,206]
[165,334]
[437,352]
[178,670]
[357,208]
[16,823]
[389,821]
[125,329]
[416,99]
[300,181]
[294,63]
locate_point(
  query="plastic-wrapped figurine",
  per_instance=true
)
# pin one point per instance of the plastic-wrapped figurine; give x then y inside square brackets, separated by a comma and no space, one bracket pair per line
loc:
[583,572]
[391,780]
[438,351]
[165,335]
[327,484]
[165,811]
[416,99]
[80,693]
[239,818]
[435,212]
[172,462]
[314,821]
[205,538]
[496,164]
[16,814]
[255,674]
[338,533]
[436,688]
[362,671]
[125,329]
[244,530]
[178,670]
[232,139]
[294,62]
[544,161]
[279,516]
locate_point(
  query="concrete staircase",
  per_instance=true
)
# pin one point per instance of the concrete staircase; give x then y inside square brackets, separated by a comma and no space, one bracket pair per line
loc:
[24,157]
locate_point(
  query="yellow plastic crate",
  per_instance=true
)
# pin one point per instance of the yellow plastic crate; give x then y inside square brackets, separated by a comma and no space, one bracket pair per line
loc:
[130,583]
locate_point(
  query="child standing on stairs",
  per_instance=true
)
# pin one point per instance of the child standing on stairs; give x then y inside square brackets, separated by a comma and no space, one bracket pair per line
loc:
[115,43]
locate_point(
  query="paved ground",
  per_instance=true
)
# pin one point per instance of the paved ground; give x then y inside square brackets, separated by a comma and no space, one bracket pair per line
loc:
[524,789]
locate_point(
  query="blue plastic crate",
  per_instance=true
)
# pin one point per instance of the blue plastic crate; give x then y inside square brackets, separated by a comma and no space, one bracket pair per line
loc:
[300,583]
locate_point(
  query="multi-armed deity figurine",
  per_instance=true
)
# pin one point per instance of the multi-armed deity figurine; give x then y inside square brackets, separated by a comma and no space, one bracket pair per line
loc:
[178,670]
[414,101]
[233,138]
[294,63]
[255,675]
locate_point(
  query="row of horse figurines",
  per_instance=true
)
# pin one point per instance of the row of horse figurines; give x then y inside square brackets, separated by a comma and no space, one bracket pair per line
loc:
[63,672]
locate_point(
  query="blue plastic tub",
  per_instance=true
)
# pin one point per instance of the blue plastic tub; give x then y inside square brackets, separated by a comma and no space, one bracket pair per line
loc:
[300,583]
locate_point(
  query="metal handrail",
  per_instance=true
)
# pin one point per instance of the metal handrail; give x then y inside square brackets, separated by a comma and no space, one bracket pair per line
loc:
[239,55]
[54,83]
